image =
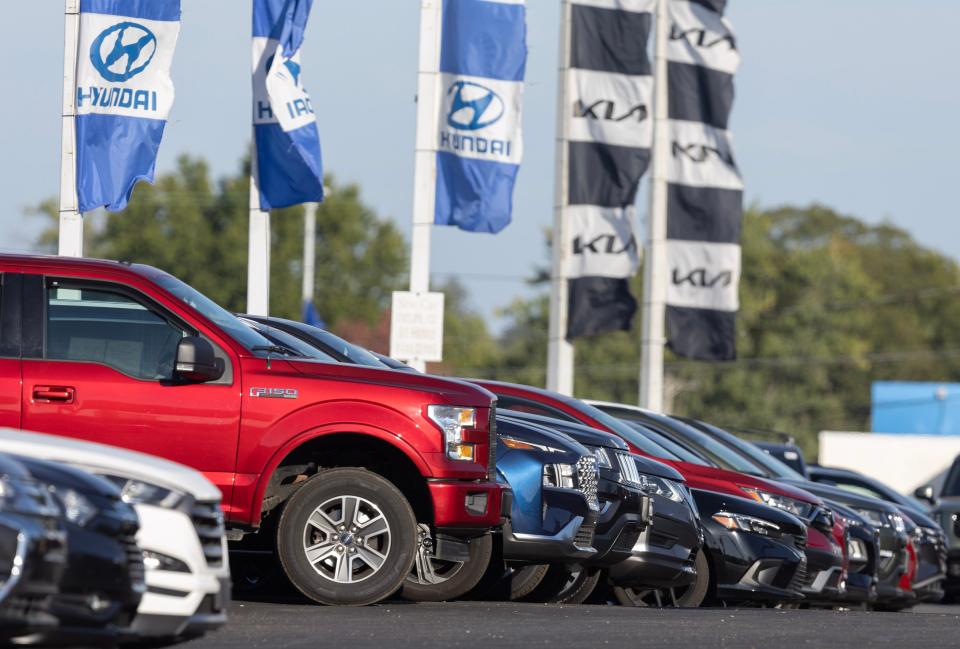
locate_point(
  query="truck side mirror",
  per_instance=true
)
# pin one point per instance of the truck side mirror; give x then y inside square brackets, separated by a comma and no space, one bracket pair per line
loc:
[925,493]
[197,361]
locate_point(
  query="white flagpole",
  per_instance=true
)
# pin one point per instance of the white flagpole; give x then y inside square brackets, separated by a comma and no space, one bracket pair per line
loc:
[425,156]
[71,221]
[559,349]
[258,247]
[655,261]
[309,250]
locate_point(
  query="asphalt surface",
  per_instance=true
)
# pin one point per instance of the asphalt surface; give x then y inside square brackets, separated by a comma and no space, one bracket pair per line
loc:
[402,625]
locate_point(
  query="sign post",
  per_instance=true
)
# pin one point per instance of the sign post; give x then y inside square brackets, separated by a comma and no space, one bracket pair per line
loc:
[71,221]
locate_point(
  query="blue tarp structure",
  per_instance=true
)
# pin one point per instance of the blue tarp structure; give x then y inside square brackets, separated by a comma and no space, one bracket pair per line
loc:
[915,408]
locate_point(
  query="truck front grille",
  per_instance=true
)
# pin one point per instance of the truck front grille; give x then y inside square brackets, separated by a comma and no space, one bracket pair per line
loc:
[584,537]
[208,522]
[587,479]
[134,562]
[492,453]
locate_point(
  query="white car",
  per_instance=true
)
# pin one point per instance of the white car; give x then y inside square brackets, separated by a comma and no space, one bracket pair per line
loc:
[181,530]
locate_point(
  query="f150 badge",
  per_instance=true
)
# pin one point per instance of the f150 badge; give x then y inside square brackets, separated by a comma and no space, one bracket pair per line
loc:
[274,393]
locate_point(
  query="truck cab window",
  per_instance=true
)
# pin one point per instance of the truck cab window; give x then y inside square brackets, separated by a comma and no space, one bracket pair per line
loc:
[101,326]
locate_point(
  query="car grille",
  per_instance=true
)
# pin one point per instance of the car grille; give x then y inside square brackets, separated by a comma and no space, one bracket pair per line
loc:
[628,469]
[492,453]
[587,479]
[208,521]
[134,563]
[584,537]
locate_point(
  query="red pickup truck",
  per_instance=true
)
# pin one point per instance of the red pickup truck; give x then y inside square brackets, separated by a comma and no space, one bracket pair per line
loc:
[336,463]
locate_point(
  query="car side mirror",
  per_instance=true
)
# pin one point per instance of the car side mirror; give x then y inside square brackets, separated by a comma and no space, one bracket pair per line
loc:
[824,521]
[197,361]
[925,493]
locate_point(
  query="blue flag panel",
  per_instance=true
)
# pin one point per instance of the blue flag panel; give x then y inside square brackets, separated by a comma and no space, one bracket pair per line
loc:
[124,95]
[483,57]
[289,161]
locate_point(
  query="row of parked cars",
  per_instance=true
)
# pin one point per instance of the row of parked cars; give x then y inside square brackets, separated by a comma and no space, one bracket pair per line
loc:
[359,479]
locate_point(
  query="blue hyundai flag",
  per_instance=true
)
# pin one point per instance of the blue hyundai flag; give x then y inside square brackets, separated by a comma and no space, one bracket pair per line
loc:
[289,165]
[311,316]
[483,56]
[124,95]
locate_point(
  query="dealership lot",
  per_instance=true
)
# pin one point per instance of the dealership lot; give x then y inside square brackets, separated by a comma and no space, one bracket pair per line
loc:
[295,623]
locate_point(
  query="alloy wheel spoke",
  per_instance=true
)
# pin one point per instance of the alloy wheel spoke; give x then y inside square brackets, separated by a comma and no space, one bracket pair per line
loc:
[374,527]
[371,557]
[351,506]
[322,522]
[344,570]
[320,551]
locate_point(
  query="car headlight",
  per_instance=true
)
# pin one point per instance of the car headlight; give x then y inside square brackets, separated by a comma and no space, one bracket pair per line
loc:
[654,486]
[138,492]
[563,476]
[157,561]
[603,458]
[522,445]
[745,523]
[453,420]
[74,506]
[874,517]
[897,522]
[787,504]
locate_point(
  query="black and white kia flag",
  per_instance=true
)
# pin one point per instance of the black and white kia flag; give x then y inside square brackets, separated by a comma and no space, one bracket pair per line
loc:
[609,134]
[705,190]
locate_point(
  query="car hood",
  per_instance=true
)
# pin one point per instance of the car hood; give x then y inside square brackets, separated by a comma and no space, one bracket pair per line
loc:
[453,391]
[67,477]
[582,434]
[571,451]
[103,459]
[843,496]
[654,467]
[716,479]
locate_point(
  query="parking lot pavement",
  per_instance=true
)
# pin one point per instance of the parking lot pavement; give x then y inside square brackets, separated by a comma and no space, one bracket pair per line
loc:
[400,625]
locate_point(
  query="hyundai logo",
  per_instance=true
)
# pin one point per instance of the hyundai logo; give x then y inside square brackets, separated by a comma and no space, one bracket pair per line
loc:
[473,106]
[292,67]
[123,51]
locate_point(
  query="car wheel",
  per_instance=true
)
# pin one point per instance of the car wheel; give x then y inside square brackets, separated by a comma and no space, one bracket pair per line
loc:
[347,536]
[690,596]
[565,584]
[525,579]
[437,580]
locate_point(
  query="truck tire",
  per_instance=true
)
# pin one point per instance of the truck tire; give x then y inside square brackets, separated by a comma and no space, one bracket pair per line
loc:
[436,580]
[348,537]
[690,596]
[564,584]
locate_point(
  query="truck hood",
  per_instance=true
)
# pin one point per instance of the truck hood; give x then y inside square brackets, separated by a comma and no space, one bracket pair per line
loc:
[655,467]
[109,460]
[452,391]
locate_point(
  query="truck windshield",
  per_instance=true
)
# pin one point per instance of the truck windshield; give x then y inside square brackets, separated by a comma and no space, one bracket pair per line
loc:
[212,311]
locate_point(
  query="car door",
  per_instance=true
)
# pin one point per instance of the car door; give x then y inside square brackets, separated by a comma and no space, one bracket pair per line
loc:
[98,365]
[10,350]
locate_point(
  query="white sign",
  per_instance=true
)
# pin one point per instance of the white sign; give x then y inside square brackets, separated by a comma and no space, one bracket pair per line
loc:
[416,326]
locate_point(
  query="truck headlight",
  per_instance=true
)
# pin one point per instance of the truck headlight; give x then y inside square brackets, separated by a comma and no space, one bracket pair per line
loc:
[563,476]
[603,458]
[138,492]
[453,420]
[746,523]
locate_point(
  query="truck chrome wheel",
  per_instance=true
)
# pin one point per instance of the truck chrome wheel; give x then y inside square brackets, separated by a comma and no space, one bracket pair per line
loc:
[346,539]
[427,569]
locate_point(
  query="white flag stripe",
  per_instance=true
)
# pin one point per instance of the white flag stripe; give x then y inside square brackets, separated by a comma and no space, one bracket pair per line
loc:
[610,108]
[637,6]
[702,156]
[701,37]
[703,275]
[96,94]
[603,242]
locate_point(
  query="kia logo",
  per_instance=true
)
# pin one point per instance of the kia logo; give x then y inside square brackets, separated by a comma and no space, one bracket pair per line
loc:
[473,106]
[123,51]
[606,109]
[701,278]
[701,38]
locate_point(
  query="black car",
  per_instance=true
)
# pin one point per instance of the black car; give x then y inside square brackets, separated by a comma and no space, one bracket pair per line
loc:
[32,553]
[103,583]
[929,539]
[661,561]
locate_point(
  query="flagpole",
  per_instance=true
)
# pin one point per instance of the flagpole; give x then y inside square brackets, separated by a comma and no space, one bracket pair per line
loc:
[258,246]
[425,156]
[71,221]
[309,251]
[655,261]
[559,350]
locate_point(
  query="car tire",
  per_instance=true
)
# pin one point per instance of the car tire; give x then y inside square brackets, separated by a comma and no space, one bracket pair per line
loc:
[525,579]
[690,596]
[435,580]
[347,537]
[564,584]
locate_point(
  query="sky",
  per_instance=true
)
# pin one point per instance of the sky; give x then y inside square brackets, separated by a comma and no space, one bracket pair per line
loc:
[854,104]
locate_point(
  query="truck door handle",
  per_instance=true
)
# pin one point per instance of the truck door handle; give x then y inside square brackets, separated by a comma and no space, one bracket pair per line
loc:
[53,393]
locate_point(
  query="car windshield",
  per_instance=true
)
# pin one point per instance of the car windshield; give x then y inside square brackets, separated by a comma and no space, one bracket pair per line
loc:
[666,448]
[353,353]
[722,454]
[293,345]
[213,312]
[772,465]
